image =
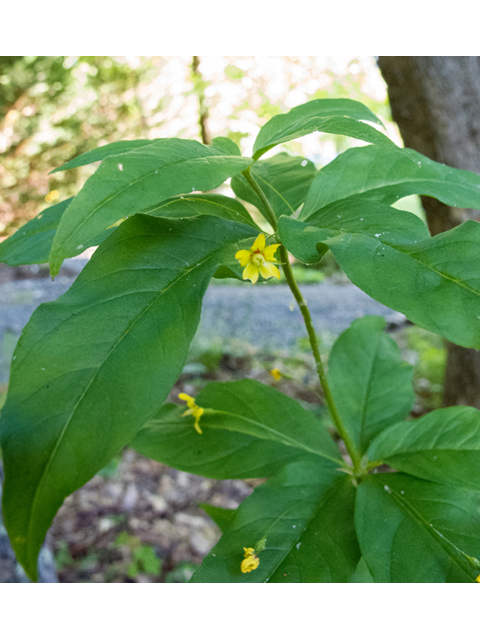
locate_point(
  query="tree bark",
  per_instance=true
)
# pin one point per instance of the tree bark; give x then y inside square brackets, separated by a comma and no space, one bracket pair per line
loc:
[435,101]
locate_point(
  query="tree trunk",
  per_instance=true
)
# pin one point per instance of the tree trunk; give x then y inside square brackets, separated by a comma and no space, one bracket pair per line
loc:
[435,101]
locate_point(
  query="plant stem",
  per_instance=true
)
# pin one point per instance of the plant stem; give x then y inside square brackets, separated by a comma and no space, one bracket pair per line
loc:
[271,217]
[312,336]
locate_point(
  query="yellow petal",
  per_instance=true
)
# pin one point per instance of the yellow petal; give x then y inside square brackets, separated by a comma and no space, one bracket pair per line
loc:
[186,397]
[259,243]
[269,270]
[249,564]
[243,257]
[250,273]
[269,252]
[197,427]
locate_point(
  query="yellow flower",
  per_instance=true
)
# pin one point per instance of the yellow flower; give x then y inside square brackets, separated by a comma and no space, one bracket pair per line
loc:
[276,374]
[193,410]
[52,195]
[258,260]
[477,579]
[251,561]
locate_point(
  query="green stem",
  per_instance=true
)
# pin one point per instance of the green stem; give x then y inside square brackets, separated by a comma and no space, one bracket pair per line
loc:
[271,217]
[297,294]
[312,336]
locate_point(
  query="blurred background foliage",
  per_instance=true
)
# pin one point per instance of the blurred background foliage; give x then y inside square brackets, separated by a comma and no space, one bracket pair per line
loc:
[52,108]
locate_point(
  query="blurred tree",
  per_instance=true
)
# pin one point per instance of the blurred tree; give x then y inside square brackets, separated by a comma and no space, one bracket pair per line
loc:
[199,86]
[53,108]
[434,101]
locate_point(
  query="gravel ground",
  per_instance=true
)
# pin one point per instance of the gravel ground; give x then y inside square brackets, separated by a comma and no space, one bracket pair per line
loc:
[261,315]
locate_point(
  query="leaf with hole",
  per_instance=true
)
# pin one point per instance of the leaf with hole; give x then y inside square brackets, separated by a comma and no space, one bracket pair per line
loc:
[100,153]
[139,179]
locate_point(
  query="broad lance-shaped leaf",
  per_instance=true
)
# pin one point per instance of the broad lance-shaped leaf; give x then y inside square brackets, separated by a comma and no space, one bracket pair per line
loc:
[434,282]
[339,116]
[411,530]
[199,204]
[31,244]
[92,367]
[230,147]
[249,430]
[284,179]
[302,519]
[370,383]
[362,574]
[443,446]
[388,174]
[112,149]
[223,518]
[354,216]
[139,179]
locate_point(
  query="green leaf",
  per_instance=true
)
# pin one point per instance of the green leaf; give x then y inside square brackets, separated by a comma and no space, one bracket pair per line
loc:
[31,244]
[249,430]
[227,145]
[284,179]
[388,174]
[92,367]
[370,383]
[303,520]
[434,282]
[362,574]
[443,446]
[340,117]
[411,530]
[112,149]
[223,518]
[211,204]
[143,178]
[354,216]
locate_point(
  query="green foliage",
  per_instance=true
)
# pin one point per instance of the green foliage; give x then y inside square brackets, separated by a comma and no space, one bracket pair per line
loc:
[411,530]
[429,355]
[304,519]
[342,117]
[386,175]
[144,561]
[434,282]
[135,180]
[92,370]
[249,431]
[33,242]
[370,383]
[284,179]
[223,518]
